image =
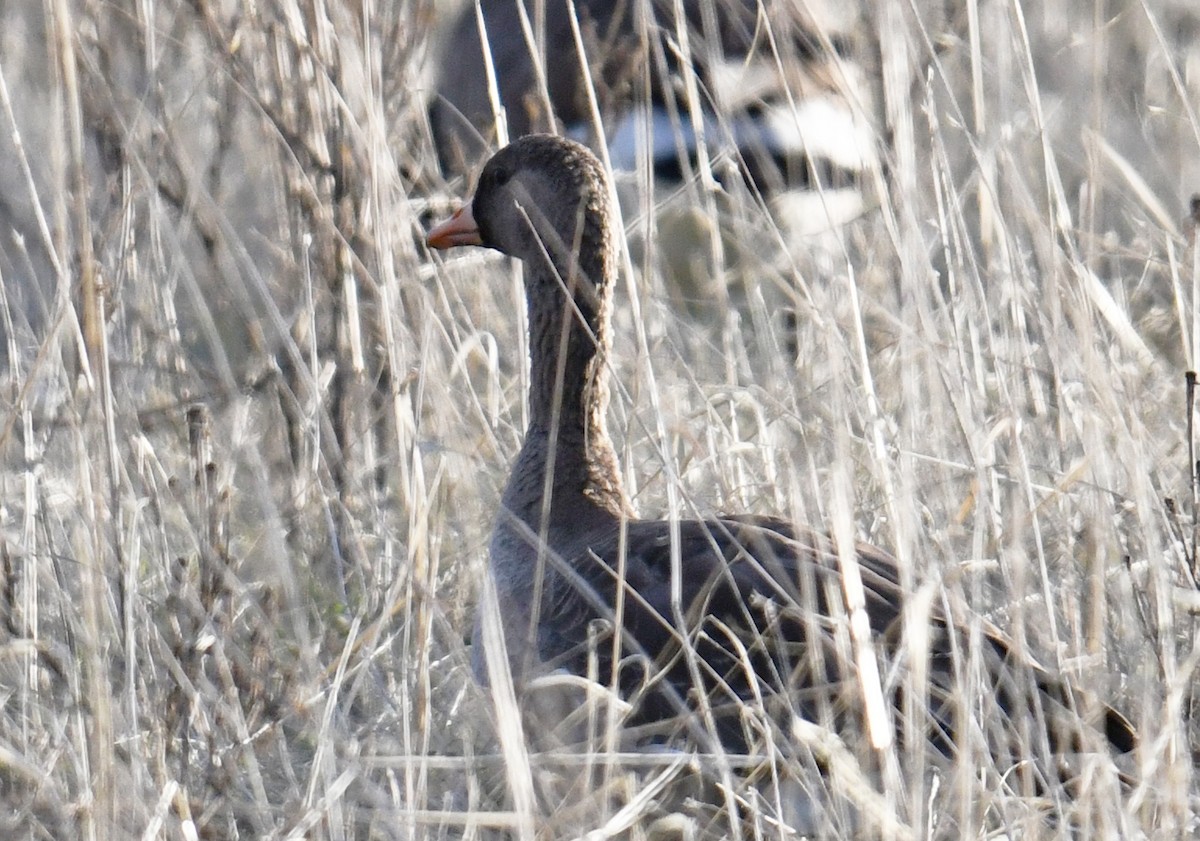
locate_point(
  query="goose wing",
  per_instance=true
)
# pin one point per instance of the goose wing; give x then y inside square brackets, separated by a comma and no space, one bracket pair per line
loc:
[723,613]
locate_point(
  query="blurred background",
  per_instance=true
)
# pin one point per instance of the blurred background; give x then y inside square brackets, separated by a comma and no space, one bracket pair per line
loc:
[253,433]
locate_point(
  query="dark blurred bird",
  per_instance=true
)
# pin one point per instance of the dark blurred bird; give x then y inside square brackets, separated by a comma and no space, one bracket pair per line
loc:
[778,97]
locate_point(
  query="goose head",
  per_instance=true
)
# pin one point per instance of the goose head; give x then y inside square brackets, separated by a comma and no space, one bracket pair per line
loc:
[546,201]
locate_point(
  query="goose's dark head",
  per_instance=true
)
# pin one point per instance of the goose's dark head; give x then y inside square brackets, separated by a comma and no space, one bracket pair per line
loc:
[541,196]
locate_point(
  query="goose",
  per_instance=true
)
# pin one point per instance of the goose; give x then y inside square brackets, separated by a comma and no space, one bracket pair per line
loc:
[695,621]
[780,97]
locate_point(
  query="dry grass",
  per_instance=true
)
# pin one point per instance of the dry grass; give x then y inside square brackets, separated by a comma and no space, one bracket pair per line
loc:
[253,434]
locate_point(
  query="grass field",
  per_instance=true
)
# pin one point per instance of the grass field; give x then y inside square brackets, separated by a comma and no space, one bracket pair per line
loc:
[253,433]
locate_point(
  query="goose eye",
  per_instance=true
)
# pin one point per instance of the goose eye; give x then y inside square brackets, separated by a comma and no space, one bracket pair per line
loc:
[499,176]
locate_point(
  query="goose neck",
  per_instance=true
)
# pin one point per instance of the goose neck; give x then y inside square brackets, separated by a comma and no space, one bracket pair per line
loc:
[568,436]
[568,346]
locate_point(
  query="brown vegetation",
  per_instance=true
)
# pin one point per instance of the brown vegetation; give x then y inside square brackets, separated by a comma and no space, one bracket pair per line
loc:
[253,434]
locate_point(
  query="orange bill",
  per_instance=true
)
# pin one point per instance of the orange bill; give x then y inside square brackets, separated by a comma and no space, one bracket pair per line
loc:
[459,229]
